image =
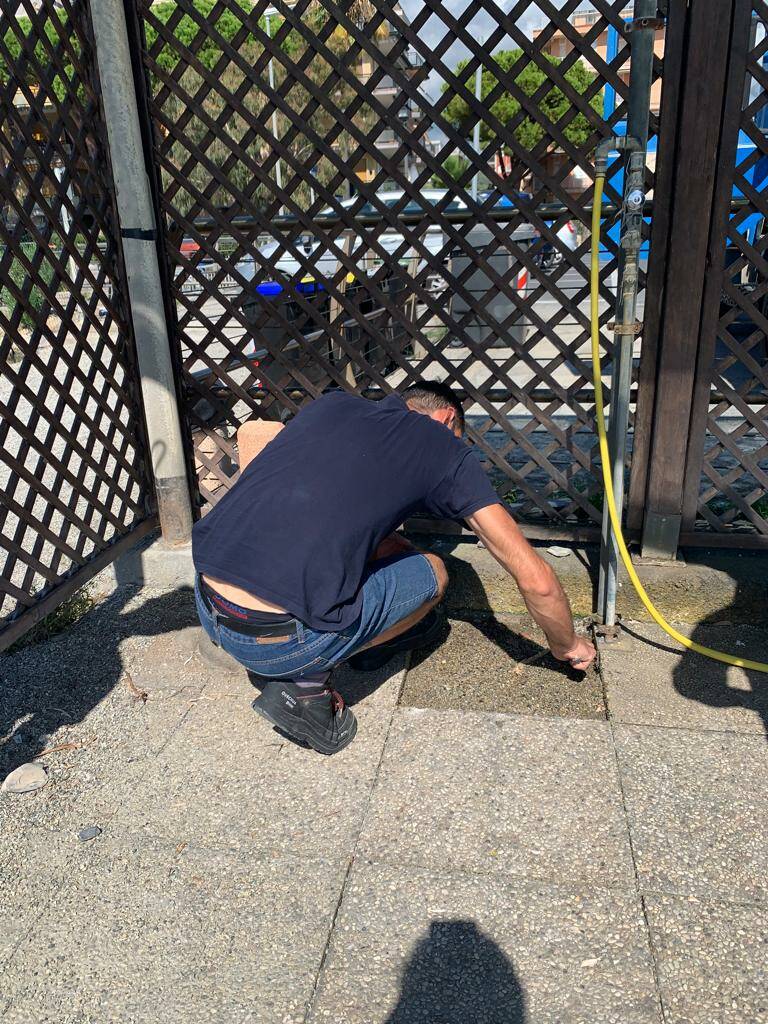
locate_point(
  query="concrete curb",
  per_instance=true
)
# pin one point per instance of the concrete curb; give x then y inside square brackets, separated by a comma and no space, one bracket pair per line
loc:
[152,563]
[709,586]
[715,587]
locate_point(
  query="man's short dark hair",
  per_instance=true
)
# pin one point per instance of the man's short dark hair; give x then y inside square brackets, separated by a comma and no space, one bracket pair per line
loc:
[431,395]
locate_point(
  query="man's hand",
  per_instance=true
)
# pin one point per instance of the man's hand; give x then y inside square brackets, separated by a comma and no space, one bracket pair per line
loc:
[580,654]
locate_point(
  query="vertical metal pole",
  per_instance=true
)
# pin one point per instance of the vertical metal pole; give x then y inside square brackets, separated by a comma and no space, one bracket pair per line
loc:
[271,72]
[139,240]
[476,132]
[639,102]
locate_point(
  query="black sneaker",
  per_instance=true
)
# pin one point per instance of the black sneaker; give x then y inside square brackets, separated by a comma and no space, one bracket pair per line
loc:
[425,632]
[318,717]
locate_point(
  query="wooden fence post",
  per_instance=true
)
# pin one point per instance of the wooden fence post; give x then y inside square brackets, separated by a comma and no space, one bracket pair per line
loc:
[699,129]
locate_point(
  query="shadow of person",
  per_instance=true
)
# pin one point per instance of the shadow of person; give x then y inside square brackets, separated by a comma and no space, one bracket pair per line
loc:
[57,682]
[467,600]
[458,975]
[716,684]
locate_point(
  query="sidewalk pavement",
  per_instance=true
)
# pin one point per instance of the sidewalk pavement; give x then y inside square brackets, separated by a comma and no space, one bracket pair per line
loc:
[503,842]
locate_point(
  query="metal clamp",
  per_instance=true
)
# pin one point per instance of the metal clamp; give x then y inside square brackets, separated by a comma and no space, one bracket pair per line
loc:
[633,329]
[607,633]
[639,23]
[140,234]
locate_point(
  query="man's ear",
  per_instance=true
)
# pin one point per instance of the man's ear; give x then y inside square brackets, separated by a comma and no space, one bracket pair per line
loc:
[446,416]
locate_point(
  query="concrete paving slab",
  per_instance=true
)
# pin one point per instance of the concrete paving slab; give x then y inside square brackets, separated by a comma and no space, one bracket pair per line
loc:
[66,704]
[659,683]
[35,865]
[378,689]
[147,931]
[85,759]
[711,960]
[528,797]
[228,780]
[170,663]
[50,689]
[500,663]
[412,946]
[697,804]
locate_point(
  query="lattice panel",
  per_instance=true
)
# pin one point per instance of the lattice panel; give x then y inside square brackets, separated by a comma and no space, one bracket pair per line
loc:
[72,472]
[317,172]
[734,479]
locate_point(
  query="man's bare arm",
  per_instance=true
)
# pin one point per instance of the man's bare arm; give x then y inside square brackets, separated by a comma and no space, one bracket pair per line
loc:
[541,590]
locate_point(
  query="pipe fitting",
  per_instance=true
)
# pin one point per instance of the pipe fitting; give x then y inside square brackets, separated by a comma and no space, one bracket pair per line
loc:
[614,144]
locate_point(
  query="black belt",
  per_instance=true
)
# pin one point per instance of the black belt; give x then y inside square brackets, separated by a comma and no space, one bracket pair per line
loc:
[287,628]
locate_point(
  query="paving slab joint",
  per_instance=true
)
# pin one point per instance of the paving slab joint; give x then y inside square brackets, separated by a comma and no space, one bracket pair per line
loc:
[635,872]
[353,856]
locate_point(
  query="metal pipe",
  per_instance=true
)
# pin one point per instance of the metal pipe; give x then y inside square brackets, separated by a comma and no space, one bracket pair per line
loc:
[636,140]
[271,73]
[139,241]
[476,131]
[499,214]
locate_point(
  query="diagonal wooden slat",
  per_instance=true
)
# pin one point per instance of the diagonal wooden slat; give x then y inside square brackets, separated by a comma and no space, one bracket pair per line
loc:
[74,479]
[214,142]
[734,467]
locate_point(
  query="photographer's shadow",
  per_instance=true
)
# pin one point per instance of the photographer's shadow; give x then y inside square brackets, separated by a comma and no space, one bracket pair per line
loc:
[457,975]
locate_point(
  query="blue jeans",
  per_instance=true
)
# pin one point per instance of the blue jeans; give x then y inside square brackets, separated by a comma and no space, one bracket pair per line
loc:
[393,588]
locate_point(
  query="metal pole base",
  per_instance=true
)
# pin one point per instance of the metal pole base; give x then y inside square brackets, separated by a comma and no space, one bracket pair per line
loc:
[174,511]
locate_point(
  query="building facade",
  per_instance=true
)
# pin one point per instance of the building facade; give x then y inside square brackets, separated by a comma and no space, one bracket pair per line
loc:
[557,44]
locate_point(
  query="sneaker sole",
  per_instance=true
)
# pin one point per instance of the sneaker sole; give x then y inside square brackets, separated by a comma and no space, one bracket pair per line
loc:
[300,730]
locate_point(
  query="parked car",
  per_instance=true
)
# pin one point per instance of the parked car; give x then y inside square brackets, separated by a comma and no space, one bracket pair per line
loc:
[288,301]
[548,256]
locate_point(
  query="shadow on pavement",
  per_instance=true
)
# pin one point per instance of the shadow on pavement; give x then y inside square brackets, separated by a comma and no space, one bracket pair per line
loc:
[58,682]
[482,616]
[706,680]
[456,975]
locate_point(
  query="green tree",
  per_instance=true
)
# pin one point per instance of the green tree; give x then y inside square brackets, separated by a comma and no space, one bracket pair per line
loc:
[22,68]
[183,173]
[215,24]
[192,32]
[552,106]
[454,167]
[20,276]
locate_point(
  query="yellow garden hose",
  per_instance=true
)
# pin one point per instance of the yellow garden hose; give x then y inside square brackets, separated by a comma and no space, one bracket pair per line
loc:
[755,666]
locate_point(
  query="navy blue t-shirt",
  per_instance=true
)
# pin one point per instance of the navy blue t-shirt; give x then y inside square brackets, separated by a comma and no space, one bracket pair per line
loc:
[299,526]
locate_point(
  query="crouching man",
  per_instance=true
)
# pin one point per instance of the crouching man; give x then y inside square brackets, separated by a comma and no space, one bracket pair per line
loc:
[298,568]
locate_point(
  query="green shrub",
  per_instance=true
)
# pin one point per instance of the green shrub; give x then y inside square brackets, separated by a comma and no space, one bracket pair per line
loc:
[19,275]
[59,620]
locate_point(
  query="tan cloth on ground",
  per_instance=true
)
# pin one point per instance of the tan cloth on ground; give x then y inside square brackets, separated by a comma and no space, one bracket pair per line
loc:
[253,437]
